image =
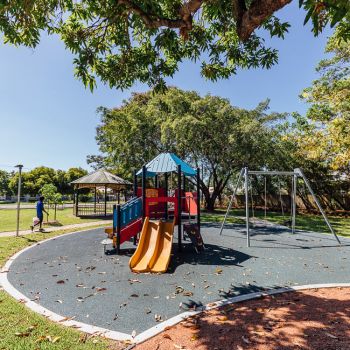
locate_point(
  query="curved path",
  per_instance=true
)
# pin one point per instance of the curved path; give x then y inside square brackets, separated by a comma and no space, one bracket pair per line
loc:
[71,276]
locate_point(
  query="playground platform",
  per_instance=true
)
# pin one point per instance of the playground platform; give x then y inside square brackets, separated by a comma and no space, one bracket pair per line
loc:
[71,276]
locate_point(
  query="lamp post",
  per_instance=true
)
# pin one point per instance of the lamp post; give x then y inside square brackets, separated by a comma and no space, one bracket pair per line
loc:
[19,166]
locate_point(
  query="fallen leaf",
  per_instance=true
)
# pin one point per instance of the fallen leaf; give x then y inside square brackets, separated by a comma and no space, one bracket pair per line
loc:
[60,282]
[245,340]
[101,289]
[22,334]
[166,336]
[223,318]
[59,301]
[134,296]
[67,319]
[194,337]
[158,318]
[331,335]
[179,290]
[187,293]
[83,338]
[218,271]
[131,281]
[55,340]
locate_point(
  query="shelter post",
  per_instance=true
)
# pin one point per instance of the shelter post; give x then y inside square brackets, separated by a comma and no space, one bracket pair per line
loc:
[294,196]
[144,192]
[105,200]
[95,199]
[77,202]
[166,178]
[198,200]
[135,184]
[179,209]
[246,179]
[118,227]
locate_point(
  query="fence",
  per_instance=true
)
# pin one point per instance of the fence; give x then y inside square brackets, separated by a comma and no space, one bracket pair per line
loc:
[92,209]
[273,202]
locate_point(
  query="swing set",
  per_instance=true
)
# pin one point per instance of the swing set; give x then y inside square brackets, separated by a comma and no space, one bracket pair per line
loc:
[295,175]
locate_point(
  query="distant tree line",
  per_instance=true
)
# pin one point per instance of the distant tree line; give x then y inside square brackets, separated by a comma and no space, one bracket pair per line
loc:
[34,180]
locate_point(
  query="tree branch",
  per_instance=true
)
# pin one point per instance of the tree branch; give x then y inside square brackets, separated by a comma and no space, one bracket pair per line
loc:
[258,12]
[152,21]
[247,19]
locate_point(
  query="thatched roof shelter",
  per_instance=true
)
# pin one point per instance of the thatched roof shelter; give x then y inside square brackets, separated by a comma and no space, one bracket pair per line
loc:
[101,178]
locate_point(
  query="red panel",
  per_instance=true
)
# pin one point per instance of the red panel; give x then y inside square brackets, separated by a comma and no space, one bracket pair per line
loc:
[130,231]
[190,203]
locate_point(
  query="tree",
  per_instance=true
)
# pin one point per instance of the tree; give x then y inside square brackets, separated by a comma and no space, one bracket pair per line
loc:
[34,180]
[299,135]
[327,136]
[49,191]
[5,183]
[70,175]
[206,131]
[125,41]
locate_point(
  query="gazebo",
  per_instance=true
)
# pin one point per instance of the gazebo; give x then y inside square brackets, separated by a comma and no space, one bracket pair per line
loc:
[99,180]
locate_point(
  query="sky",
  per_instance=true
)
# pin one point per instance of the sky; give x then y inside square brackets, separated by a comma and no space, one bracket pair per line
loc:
[47,117]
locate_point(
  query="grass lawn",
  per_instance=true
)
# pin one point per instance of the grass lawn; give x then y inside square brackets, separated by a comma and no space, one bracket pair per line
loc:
[22,329]
[64,217]
[307,222]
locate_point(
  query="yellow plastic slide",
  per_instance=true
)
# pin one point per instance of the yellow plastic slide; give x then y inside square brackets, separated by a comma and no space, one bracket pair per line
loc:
[153,251]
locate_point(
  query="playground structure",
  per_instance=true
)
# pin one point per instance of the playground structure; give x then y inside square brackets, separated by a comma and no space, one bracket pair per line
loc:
[154,212]
[296,174]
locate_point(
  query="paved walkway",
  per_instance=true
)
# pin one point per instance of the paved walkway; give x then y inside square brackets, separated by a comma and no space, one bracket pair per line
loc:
[57,228]
[13,206]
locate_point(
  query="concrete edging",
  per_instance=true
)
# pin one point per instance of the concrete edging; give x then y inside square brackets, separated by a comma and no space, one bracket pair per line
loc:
[149,333]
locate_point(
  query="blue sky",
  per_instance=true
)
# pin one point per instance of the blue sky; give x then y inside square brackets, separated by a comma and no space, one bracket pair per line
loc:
[48,118]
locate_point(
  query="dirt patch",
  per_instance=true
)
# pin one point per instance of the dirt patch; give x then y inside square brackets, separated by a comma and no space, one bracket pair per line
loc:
[310,319]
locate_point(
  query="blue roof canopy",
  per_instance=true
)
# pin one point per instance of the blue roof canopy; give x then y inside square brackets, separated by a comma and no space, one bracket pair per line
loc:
[167,163]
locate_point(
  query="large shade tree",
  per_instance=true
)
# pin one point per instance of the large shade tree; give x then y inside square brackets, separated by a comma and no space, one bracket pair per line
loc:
[206,131]
[123,41]
[328,134]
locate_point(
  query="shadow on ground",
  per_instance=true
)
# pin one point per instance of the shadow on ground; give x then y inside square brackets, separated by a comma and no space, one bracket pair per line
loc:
[288,321]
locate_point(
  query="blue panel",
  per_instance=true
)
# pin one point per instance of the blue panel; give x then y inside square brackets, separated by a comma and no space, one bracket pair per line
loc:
[130,211]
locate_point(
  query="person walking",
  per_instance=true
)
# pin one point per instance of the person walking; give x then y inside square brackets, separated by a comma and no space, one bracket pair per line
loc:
[40,210]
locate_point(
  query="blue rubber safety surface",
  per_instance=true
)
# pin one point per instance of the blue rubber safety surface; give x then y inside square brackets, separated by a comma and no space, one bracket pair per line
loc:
[71,276]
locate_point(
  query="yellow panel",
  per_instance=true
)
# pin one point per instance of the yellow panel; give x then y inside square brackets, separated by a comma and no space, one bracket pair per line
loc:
[161,258]
[146,247]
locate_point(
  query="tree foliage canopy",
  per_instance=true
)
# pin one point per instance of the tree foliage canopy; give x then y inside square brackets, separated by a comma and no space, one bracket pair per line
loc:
[206,131]
[34,180]
[327,135]
[124,41]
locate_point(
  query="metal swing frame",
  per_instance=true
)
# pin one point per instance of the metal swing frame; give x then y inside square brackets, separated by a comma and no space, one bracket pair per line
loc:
[297,173]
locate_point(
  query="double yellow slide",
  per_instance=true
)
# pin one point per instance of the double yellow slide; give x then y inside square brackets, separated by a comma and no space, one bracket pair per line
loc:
[153,251]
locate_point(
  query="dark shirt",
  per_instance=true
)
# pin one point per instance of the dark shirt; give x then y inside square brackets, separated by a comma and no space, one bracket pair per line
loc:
[39,209]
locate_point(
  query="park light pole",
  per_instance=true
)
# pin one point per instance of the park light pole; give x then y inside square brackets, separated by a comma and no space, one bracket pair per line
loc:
[19,166]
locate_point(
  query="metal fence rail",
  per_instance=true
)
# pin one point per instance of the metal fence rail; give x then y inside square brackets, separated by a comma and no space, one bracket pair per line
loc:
[92,209]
